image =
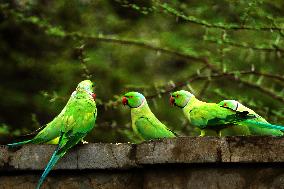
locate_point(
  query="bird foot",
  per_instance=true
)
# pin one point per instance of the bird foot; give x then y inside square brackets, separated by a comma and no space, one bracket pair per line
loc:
[84,142]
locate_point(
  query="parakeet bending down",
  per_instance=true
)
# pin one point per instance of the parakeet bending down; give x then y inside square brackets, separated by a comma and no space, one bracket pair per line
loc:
[73,123]
[254,130]
[144,122]
[211,117]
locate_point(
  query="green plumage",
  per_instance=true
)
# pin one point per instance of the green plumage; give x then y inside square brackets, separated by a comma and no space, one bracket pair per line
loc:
[144,122]
[256,125]
[147,126]
[210,117]
[74,122]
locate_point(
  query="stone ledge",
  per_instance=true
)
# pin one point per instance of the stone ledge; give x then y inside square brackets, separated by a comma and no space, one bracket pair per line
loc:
[123,156]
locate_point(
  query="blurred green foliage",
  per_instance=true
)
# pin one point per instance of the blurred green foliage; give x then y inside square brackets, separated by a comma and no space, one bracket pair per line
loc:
[217,49]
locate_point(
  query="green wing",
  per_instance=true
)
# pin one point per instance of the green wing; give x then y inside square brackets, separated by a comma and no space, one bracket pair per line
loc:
[49,134]
[212,114]
[81,123]
[255,129]
[80,116]
[53,129]
[149,129]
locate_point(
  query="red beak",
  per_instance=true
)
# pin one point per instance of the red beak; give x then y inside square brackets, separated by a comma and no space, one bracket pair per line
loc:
[172,101]
[124,100]
[94,96]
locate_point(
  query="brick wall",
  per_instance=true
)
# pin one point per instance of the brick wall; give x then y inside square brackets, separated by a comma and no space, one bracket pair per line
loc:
[185,162]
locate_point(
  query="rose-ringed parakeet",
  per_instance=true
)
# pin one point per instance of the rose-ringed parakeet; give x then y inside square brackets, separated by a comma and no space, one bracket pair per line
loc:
[210,117]
[254,130]
[144,122]
[74,122]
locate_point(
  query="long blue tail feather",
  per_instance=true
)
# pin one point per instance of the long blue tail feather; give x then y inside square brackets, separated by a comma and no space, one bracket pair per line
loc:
[48,168]
[266,125]
[19,143]
[53,160]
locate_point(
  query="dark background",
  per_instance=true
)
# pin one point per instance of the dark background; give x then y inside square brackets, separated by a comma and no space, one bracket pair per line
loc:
[216,49]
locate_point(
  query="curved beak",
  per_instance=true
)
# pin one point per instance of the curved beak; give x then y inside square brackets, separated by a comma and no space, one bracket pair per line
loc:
[124,101]
[172,101]
[94,95]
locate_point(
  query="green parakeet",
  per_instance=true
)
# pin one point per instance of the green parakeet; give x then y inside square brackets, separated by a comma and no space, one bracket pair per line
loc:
[210,117]
[74,122]
[254,130]
[144,122]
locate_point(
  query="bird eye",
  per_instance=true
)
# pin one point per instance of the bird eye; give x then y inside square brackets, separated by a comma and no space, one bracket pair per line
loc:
[225,104]
[177,95]
[130,96]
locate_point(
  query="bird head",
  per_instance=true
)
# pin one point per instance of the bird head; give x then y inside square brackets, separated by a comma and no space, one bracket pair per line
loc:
[180,98]
[86,86]
[232,104]
[133,99]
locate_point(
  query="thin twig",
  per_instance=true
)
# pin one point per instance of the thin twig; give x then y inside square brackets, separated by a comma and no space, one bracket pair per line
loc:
[259,88]
[278,77]
[167,89]
[81,56]
[145,45]
[204,88]
[273,48]
[178,14]
[223,26]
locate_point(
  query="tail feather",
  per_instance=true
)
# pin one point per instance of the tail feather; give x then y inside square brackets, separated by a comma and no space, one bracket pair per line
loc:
[48,168]
[53,160]
[266,125]
[19,143]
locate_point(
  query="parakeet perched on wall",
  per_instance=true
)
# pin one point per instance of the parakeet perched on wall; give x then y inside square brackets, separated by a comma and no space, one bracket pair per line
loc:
[210,117]
[74,122]
[254,130]
[224,121]
[144,122]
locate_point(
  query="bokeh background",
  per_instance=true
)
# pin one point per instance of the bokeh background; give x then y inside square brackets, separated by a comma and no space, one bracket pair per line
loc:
[219,49]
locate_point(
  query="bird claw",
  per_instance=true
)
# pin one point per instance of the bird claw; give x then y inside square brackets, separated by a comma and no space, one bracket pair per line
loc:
[84,142]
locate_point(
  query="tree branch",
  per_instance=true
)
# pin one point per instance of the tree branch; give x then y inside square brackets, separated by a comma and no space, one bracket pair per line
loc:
[166,89]
[223,26]
[109,39]
[261,89]
[59,32]
[272,48]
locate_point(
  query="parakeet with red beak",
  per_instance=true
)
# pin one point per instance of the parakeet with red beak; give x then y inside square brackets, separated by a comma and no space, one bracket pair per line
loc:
[254,130]
[144,122]
[74,122]
[224,121]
